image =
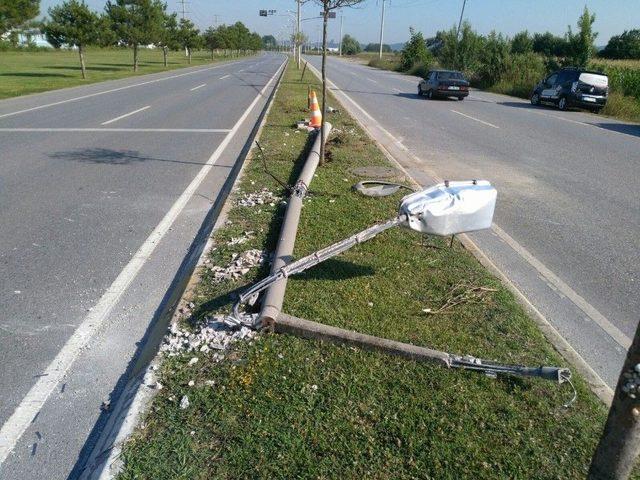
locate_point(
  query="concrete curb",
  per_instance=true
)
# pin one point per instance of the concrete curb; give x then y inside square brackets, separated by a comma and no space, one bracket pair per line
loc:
[105,463]
[396,152]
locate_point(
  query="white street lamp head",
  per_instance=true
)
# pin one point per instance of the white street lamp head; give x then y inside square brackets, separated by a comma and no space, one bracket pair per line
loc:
[450,207]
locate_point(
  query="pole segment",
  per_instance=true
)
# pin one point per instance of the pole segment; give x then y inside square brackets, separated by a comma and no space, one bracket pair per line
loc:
[341,24]
[460,21]
[382,31]
[619,444]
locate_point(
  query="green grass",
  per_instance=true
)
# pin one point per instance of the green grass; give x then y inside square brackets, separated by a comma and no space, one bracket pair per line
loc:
[24,72]
[284,407]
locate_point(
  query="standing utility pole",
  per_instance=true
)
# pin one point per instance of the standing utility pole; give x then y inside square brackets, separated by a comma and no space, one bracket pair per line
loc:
[182,2]
[382,31]
[298,37]
[619,445]
[341,24]
[460,21]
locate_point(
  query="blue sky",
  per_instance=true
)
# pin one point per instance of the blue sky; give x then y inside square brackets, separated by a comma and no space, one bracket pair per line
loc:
[428,16]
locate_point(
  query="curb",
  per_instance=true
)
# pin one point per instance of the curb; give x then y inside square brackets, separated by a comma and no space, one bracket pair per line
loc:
[394,150]
[104,462]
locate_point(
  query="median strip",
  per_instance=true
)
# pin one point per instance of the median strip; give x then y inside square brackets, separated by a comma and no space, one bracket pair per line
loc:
[281,406]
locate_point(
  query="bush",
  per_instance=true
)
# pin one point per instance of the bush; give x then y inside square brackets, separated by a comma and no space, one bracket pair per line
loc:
[521,73]
[624,80]
[415,52]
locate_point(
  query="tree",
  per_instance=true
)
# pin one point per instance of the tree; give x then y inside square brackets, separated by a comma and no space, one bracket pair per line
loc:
[327,6]
[136,22]
[522,43]
[269,42]
[72,23]
[167,36]
[493,58]
[188,36]
[414,51]
[581,47]
[375,47]
[549,45]
[623,46]
[460,51]
[350,46]
[14,13]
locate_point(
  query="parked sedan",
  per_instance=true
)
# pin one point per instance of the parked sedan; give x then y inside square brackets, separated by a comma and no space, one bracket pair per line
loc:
[444,83]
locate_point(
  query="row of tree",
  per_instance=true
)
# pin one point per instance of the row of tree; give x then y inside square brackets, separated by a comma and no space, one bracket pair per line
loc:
[131,23]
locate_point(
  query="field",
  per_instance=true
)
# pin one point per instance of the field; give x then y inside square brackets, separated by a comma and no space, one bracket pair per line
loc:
[284,407]
[24,72]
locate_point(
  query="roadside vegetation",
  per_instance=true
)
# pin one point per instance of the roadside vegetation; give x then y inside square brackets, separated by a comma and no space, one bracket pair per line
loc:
[514,65]
[99,40]
[283,407]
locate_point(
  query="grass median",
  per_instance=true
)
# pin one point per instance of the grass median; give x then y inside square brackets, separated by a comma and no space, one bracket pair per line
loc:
[284,407]
[24,72]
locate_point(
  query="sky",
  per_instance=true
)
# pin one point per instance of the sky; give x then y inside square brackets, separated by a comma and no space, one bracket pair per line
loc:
[428,16]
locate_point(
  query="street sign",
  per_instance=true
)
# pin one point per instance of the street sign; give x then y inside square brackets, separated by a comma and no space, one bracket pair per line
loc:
[265,13]
[330,15]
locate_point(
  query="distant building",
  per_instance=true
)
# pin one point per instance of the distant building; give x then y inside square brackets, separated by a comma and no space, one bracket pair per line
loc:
[30,36]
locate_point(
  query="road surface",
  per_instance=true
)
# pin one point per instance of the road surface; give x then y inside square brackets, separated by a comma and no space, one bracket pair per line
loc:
[567,222]
[103,189]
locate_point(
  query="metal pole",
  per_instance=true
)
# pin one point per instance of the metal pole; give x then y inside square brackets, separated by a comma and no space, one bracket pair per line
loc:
[382,31]
[298,42]
[460,21]
[341,24]
[619,444]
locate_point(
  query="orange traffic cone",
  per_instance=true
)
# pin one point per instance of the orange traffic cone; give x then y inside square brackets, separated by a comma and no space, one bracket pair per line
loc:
[316,116]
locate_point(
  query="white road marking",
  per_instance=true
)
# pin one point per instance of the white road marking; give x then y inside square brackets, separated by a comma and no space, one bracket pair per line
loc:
[616,334]
[396,90]
[123,130]
[196,88]
[90,95]
[226,76]
[372,80]
[125,115]
[476,119]
[33,401]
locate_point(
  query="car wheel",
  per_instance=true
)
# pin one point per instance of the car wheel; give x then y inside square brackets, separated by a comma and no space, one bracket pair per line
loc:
[597,110]
[430,94]
[420,92]
[535,99]
[562,103]
[460,98]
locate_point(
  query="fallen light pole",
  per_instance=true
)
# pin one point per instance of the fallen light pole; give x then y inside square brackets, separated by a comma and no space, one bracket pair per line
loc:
[445,209]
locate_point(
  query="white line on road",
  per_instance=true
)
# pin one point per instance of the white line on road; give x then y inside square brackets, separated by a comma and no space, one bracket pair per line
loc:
[33,401]
[396,89]
[123,130]
[226,76]
[125,115]
[476,119]
[90,95]
[372,80]
[196,88]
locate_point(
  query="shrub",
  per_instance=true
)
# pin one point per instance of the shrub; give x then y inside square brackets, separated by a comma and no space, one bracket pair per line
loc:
[414,52]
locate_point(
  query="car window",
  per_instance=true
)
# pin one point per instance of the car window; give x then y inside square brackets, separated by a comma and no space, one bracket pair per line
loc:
[552,79]
[432,76]
[564,77]
[449,76]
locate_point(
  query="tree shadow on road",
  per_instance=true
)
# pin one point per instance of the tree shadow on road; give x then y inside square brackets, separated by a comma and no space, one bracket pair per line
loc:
[107,156]
[626,128]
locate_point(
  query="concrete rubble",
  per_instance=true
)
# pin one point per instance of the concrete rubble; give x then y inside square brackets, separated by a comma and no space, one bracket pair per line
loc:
[261,197]
[240,265]
[212,335]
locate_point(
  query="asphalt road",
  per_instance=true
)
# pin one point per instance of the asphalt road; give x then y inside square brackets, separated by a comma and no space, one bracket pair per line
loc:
[568,214]
[103,189]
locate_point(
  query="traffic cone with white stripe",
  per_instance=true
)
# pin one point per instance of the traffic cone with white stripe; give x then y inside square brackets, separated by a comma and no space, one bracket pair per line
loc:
[316,115]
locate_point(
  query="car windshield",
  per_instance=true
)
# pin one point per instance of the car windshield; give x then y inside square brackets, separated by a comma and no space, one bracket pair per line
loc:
[450,76]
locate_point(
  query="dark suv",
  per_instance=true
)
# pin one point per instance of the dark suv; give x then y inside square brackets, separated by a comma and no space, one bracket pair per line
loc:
[444,83]
[573,87]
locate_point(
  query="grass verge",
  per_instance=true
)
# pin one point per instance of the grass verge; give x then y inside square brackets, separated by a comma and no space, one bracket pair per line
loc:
[24,72]
[283,407]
